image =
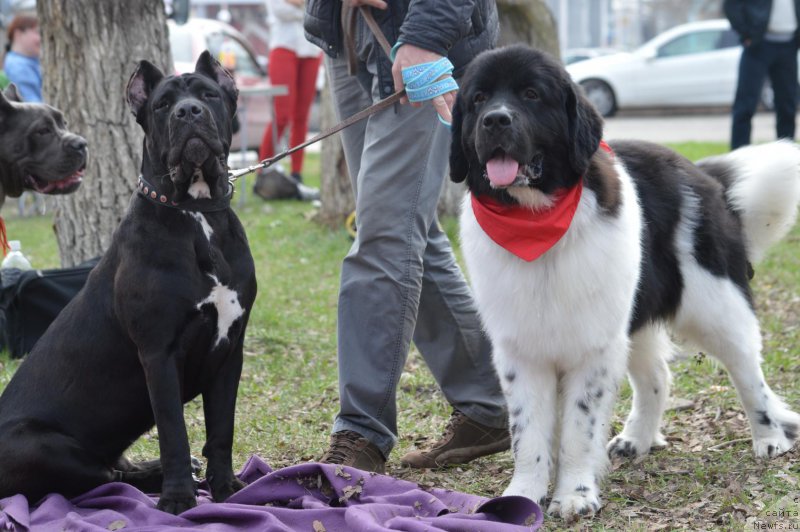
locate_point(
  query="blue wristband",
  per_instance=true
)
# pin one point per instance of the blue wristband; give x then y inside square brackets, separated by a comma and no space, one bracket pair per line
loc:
[422,81]
[396,47]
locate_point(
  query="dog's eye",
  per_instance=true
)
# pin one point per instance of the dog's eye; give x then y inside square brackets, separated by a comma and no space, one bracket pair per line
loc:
[210,94]
[161,105]
[479,97]
[531,94]
[43,131]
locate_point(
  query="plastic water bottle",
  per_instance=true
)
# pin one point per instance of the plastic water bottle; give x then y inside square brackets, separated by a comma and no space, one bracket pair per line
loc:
[14,264]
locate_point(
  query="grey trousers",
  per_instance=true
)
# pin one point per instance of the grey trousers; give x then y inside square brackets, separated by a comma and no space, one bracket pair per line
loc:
[400,280]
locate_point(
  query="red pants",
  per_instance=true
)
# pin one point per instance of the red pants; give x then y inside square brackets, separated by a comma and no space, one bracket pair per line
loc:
[299,74]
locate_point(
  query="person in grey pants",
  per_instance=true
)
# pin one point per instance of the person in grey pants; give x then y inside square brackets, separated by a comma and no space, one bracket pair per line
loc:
[400,281]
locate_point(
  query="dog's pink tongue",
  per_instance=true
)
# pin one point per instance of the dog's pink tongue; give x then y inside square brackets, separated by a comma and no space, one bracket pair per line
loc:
[502,170]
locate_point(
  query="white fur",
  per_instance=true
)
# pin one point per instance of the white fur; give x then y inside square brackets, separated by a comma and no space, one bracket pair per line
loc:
[199,188]
[766,191]
[228,308]
[559,326]
[715,316]
[204,225]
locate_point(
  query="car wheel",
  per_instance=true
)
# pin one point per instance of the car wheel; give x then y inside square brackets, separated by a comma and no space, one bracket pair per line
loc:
[601,96]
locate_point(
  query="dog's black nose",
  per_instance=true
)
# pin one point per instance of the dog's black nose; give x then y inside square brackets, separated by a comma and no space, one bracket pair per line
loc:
[188,110]
[498,119]
[77,143]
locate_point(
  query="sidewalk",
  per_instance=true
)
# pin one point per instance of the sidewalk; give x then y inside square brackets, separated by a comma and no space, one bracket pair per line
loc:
[711,127]
[660,127]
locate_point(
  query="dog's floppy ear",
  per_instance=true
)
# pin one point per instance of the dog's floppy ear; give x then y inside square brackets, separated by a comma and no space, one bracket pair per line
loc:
[144,78]
[210,67]
[585,128]
[459,166]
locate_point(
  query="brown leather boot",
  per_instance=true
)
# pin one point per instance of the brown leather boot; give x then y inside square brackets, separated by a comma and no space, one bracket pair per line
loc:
[463,440]
[350,448]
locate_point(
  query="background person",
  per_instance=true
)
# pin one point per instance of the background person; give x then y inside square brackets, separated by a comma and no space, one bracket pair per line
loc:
[21,67]
[21,62]
[400,280]
[769,33]
[293,62]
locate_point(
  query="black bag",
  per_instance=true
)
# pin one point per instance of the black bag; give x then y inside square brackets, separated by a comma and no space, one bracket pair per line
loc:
[273,184]
[30,304]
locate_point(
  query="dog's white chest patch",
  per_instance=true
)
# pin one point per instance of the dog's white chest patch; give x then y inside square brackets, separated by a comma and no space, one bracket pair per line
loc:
[199,187]
[226,301]
[207,229]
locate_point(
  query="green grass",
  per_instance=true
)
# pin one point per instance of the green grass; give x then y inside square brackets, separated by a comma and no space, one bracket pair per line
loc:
[288,394]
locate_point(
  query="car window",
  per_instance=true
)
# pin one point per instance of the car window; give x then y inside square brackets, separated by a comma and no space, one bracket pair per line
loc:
[232,54]
[691,43]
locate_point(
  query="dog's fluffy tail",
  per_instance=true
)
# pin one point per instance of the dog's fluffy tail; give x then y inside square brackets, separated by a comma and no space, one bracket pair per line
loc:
[762,186]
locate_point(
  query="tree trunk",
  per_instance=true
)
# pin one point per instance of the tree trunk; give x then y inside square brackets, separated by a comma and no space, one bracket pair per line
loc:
[335,190]
[89,50]
[529,22]
[521,21]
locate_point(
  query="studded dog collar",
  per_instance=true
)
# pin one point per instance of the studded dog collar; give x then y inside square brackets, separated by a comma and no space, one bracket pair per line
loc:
[149,192]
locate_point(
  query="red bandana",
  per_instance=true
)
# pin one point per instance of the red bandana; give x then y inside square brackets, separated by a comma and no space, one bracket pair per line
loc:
[525,232]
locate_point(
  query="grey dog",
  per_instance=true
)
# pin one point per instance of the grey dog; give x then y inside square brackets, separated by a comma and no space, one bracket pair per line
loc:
[37,152]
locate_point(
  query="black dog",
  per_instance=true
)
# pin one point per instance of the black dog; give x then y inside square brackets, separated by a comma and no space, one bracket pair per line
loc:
[160,321]
[37,152]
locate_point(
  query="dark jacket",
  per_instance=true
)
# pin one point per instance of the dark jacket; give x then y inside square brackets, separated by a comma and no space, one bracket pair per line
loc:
[458,29]
[750,18]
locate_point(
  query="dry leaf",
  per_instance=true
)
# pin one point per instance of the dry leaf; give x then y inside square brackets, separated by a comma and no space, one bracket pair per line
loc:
[350,492]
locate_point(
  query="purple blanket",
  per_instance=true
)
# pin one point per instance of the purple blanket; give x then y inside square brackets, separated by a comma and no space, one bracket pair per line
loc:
[309,497]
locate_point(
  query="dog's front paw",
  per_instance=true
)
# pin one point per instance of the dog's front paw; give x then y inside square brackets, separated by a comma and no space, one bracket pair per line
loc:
[776,434]
[625,447]
[575,505]
[531,490]
[772,447]
[176,504]
[222,489]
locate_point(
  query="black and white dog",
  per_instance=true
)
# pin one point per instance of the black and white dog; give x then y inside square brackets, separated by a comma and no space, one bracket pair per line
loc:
[160,321]
[580,255]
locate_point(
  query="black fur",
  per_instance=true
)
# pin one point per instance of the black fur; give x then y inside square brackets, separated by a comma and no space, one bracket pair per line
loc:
[141,338]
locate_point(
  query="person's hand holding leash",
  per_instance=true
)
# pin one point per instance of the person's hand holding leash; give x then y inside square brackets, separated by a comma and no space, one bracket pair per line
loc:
[432,80]
[408,55]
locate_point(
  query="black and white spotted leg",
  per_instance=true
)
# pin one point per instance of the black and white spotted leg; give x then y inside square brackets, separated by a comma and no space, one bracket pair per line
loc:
[650,380]
[588,394]
[530,391]
[728,329]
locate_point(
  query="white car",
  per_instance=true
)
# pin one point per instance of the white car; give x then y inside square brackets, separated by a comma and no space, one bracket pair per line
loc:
[573,55]
[691,65]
